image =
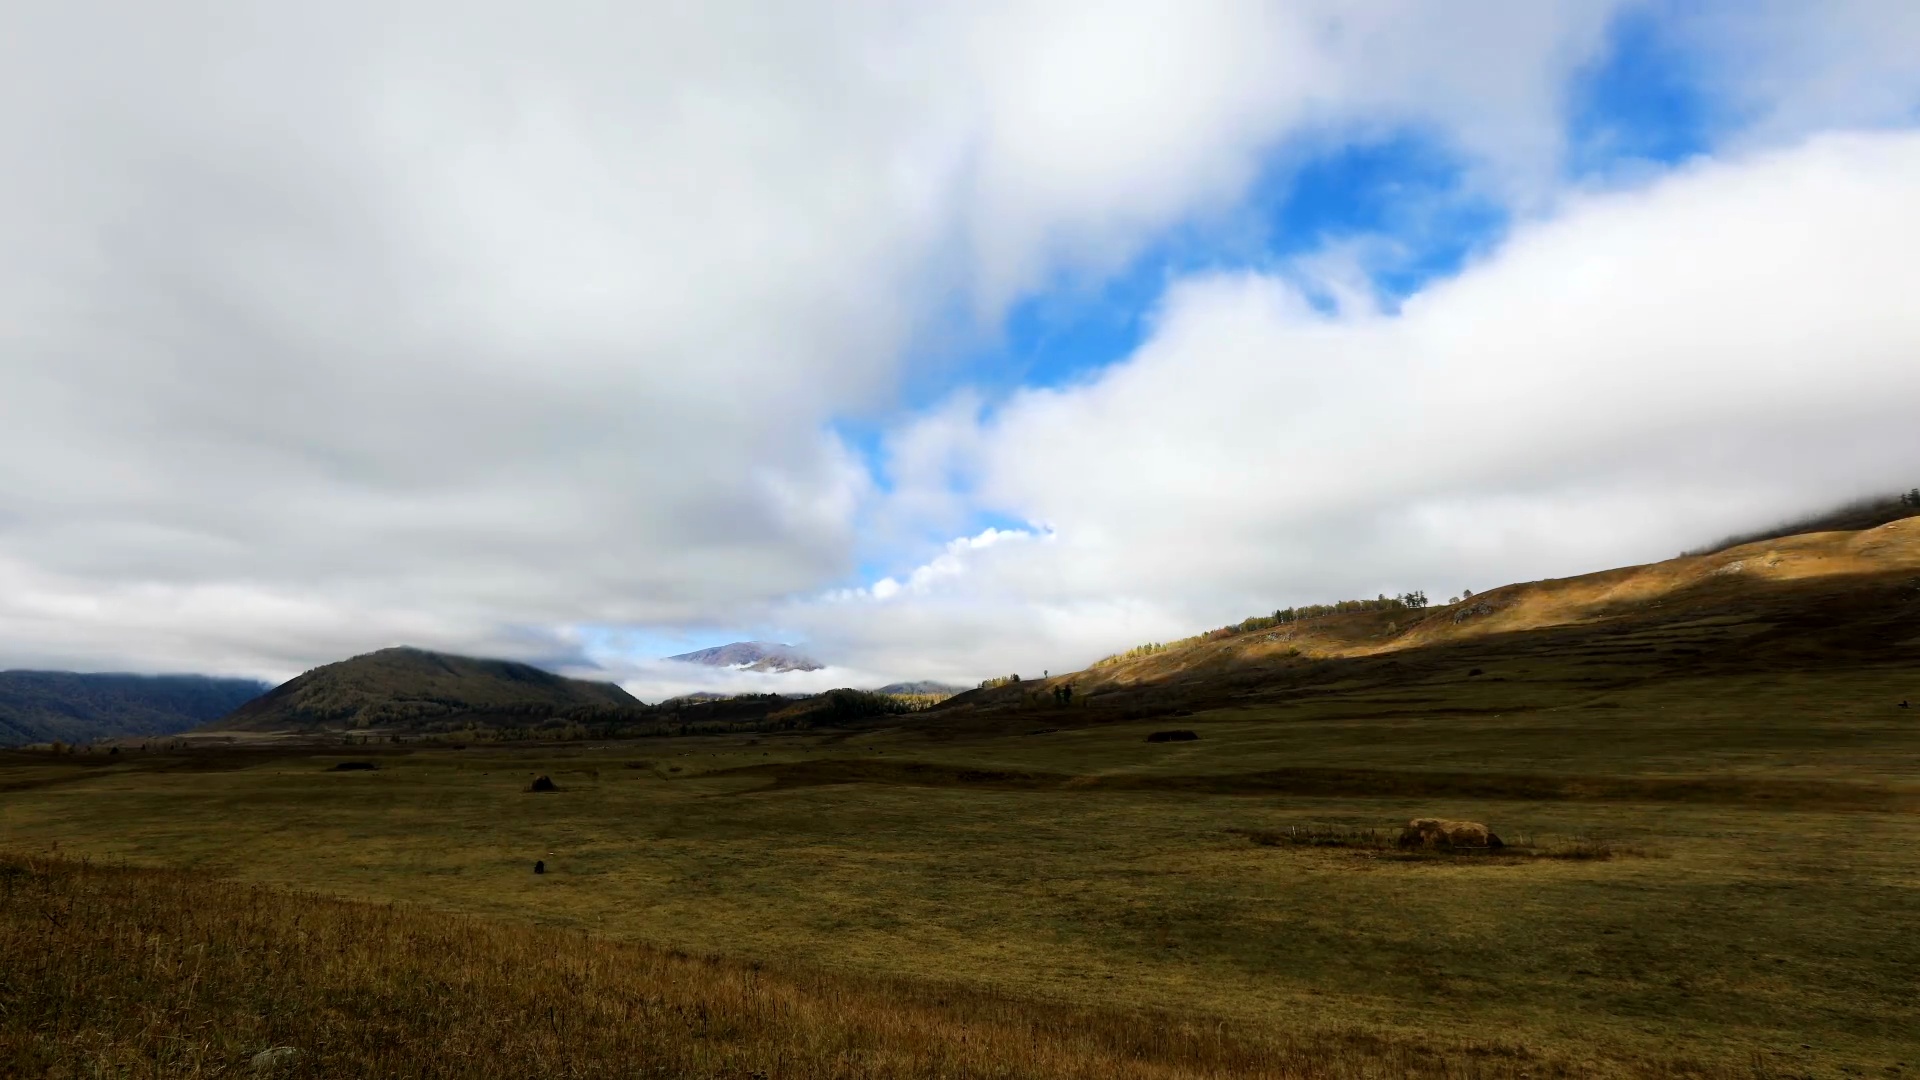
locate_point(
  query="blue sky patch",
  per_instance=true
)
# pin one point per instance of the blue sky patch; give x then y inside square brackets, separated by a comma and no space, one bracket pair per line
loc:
[1406,197]
[1403,196]
[1402,203]
[1404,189]
[1641,103]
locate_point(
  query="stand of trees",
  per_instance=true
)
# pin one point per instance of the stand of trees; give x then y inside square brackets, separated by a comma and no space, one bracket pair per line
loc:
[1406,601]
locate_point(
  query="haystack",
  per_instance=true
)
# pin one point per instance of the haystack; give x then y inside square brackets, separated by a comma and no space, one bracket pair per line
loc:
[1429,832]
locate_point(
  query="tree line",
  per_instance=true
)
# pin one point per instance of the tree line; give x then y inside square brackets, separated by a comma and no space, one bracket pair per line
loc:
[1412,600]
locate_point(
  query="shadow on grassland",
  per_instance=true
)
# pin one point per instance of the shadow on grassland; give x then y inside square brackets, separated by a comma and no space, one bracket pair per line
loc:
[1344,782]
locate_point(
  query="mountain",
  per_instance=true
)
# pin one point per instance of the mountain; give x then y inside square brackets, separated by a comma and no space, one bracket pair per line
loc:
[753,656]
[416,689]
[65,706]
[1821,600]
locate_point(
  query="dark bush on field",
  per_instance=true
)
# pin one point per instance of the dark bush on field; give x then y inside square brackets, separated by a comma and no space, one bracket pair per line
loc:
[843,705]
[353,766]
[1173,736]
[543,783]
[1389,843]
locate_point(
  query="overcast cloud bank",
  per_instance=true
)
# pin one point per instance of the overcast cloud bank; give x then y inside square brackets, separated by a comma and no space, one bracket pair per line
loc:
[500,330]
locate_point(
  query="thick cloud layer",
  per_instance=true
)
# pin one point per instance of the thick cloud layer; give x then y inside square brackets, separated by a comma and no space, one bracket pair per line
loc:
[482,325]
[1645,370]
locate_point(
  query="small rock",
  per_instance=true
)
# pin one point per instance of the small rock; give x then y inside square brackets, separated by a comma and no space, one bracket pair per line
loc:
[1473,610]
[274,1057]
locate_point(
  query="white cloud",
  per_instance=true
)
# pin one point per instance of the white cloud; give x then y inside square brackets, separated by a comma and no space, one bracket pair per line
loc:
[1102,122]
[654,681]
[1782,69]
[926,578]
[465,324]
[1646,370]
[480,315]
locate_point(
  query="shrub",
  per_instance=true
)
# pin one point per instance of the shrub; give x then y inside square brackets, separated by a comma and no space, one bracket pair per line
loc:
[1406,601]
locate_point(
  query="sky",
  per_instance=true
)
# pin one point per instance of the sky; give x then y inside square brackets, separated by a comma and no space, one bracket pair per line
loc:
[947,340]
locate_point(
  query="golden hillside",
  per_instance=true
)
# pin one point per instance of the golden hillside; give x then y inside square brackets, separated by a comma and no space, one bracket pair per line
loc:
[1819,584]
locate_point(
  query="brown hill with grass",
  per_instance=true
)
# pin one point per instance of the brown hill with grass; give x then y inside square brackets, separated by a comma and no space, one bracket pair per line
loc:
[1842,598]
[406,688]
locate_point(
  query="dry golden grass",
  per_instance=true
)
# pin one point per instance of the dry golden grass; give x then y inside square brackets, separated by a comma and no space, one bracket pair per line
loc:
[1750,570]
[151,973]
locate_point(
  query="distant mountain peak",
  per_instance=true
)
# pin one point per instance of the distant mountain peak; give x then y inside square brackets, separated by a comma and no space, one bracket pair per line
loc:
[753,656]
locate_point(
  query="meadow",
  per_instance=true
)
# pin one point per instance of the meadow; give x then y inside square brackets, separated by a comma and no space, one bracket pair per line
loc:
[1750,905]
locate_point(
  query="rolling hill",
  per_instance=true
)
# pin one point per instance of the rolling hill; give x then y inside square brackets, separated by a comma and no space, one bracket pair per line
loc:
[404,688]
[1833,599]
[66,706]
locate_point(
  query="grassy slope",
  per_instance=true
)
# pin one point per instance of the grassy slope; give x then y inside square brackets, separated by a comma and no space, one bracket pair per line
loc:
[1740,732]
[44,706]
[1818,600]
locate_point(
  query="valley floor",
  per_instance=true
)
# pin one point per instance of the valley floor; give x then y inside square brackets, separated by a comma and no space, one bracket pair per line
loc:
[1757,915]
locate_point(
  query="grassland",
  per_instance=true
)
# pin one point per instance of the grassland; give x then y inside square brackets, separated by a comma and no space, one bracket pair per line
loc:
[149,973]
[1742,764]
